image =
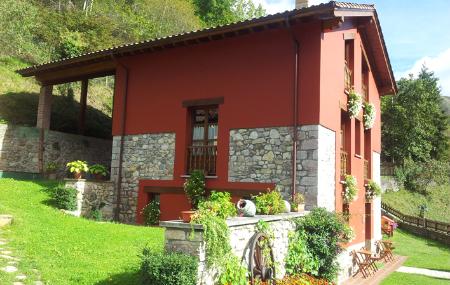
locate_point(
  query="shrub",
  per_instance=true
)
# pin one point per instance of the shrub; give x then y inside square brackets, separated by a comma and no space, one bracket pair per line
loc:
[234,273]
[324,232]
[299,258]
[96,212]
[65,197]
[194,187]
[151,213]
[269,203]
[168,268]
[220,204]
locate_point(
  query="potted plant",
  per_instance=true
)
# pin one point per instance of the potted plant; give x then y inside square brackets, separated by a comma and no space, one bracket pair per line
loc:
[194,187]
[99,171]
[78,167]
[50,169]
[298,203]
[355,103]
[246,208]
[351,189]
[372,190]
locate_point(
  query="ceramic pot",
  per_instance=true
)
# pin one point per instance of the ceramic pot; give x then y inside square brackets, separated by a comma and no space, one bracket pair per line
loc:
[287,206]
[186,216]
[77,175]
[246,208]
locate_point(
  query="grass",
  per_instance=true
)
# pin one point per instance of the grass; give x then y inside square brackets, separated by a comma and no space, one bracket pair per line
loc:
[421,253]
[437,200]
[66,249]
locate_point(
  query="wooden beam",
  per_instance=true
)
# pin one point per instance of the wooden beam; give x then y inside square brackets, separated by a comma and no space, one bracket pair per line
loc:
[202,102]
[179,190]
[83,106]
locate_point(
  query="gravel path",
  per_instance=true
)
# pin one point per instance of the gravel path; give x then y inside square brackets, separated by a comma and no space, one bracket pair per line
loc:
[423,271]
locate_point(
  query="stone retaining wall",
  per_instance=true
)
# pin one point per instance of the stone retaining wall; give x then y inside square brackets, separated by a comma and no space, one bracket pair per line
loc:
[91,194]
[147,156]
[178,238]
[19,149]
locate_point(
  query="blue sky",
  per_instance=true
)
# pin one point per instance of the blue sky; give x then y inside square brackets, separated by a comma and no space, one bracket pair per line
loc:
[416,32]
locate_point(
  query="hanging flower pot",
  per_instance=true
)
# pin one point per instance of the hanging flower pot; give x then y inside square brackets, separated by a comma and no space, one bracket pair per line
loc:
[246,208]
[355,103]
[369,115]
[350,191]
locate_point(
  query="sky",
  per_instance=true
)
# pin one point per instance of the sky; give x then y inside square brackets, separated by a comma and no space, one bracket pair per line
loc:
[416,33]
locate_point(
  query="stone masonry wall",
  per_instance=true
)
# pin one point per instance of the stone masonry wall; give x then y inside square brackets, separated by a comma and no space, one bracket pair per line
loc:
[19,148]
[178,238]
[147,156]
[261,155]
[92,194]
[316,165]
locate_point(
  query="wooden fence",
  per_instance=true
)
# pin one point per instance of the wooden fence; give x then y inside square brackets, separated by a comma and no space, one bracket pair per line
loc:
[432,225]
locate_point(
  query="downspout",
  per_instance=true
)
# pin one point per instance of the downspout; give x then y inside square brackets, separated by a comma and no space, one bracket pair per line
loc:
[122,135]
[295,107]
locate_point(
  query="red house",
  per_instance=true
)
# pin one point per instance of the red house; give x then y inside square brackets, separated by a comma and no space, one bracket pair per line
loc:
[255,104]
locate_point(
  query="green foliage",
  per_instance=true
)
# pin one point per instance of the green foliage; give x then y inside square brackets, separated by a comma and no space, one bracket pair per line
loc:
[168,268]
[299,258]
[98,169]
[233,272]
[151,213]
[324,232]
[269,203]
[65,197]
[351,188]
[71,44]
[51,167]
[222,12]
[372,189]
[414,124]
[216,235]
[296,200]
[220,204]
[194,187]
[369,115]
[265,243]
[419,176]
[355,103]
[78,166]
[96,212]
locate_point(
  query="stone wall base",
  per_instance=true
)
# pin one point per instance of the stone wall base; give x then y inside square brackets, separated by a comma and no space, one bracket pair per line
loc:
[93,194]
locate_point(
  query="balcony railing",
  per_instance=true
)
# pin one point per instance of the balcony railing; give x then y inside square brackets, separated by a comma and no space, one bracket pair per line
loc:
[344,159]
[366,170]
[347,77]
[202,157]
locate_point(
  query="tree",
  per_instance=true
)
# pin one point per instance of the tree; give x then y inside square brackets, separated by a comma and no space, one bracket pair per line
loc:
[414,123]
[222,12]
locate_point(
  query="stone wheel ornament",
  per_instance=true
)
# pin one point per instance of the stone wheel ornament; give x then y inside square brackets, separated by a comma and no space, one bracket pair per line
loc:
[262,265]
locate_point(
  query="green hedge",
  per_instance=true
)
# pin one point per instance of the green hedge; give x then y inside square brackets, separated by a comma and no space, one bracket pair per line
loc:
[168,268]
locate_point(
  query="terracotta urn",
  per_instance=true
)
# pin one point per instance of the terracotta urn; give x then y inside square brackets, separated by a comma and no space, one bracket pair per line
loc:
[77,175]
[186,216]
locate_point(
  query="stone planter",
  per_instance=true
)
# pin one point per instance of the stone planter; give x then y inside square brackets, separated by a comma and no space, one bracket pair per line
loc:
[246,208]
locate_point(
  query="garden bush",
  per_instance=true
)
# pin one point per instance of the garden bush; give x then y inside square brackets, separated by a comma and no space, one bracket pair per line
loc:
[65,197]
[165,268]
[151,213]
[324,232]
[220,204]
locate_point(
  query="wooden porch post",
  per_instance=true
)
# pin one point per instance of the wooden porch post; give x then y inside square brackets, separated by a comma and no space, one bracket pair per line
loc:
[43,120]
[83,105]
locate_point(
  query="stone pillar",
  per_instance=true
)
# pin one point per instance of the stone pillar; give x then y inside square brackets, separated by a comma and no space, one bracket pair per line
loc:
[44,107]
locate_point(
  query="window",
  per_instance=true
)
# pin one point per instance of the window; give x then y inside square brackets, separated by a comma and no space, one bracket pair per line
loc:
[357,137]
[365,79]
[202,151]
[348,64]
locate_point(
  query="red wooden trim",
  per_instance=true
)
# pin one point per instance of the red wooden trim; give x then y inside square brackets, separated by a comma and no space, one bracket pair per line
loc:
[203,102]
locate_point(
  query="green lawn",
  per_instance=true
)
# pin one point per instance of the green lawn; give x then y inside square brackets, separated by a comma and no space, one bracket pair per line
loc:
[421,253]
[438,202]
[65,249]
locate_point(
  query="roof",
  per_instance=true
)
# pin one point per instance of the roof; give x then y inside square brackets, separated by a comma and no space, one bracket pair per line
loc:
[102,62]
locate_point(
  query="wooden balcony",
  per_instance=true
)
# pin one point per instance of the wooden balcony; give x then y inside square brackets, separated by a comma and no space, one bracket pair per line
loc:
[366,170]
[202,157]
[344,163]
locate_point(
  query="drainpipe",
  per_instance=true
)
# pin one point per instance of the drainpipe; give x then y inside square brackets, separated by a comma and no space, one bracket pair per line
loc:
[122,135]
[295,107]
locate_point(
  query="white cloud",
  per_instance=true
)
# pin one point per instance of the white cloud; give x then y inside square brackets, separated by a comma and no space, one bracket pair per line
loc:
[276,6]
[439,64]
